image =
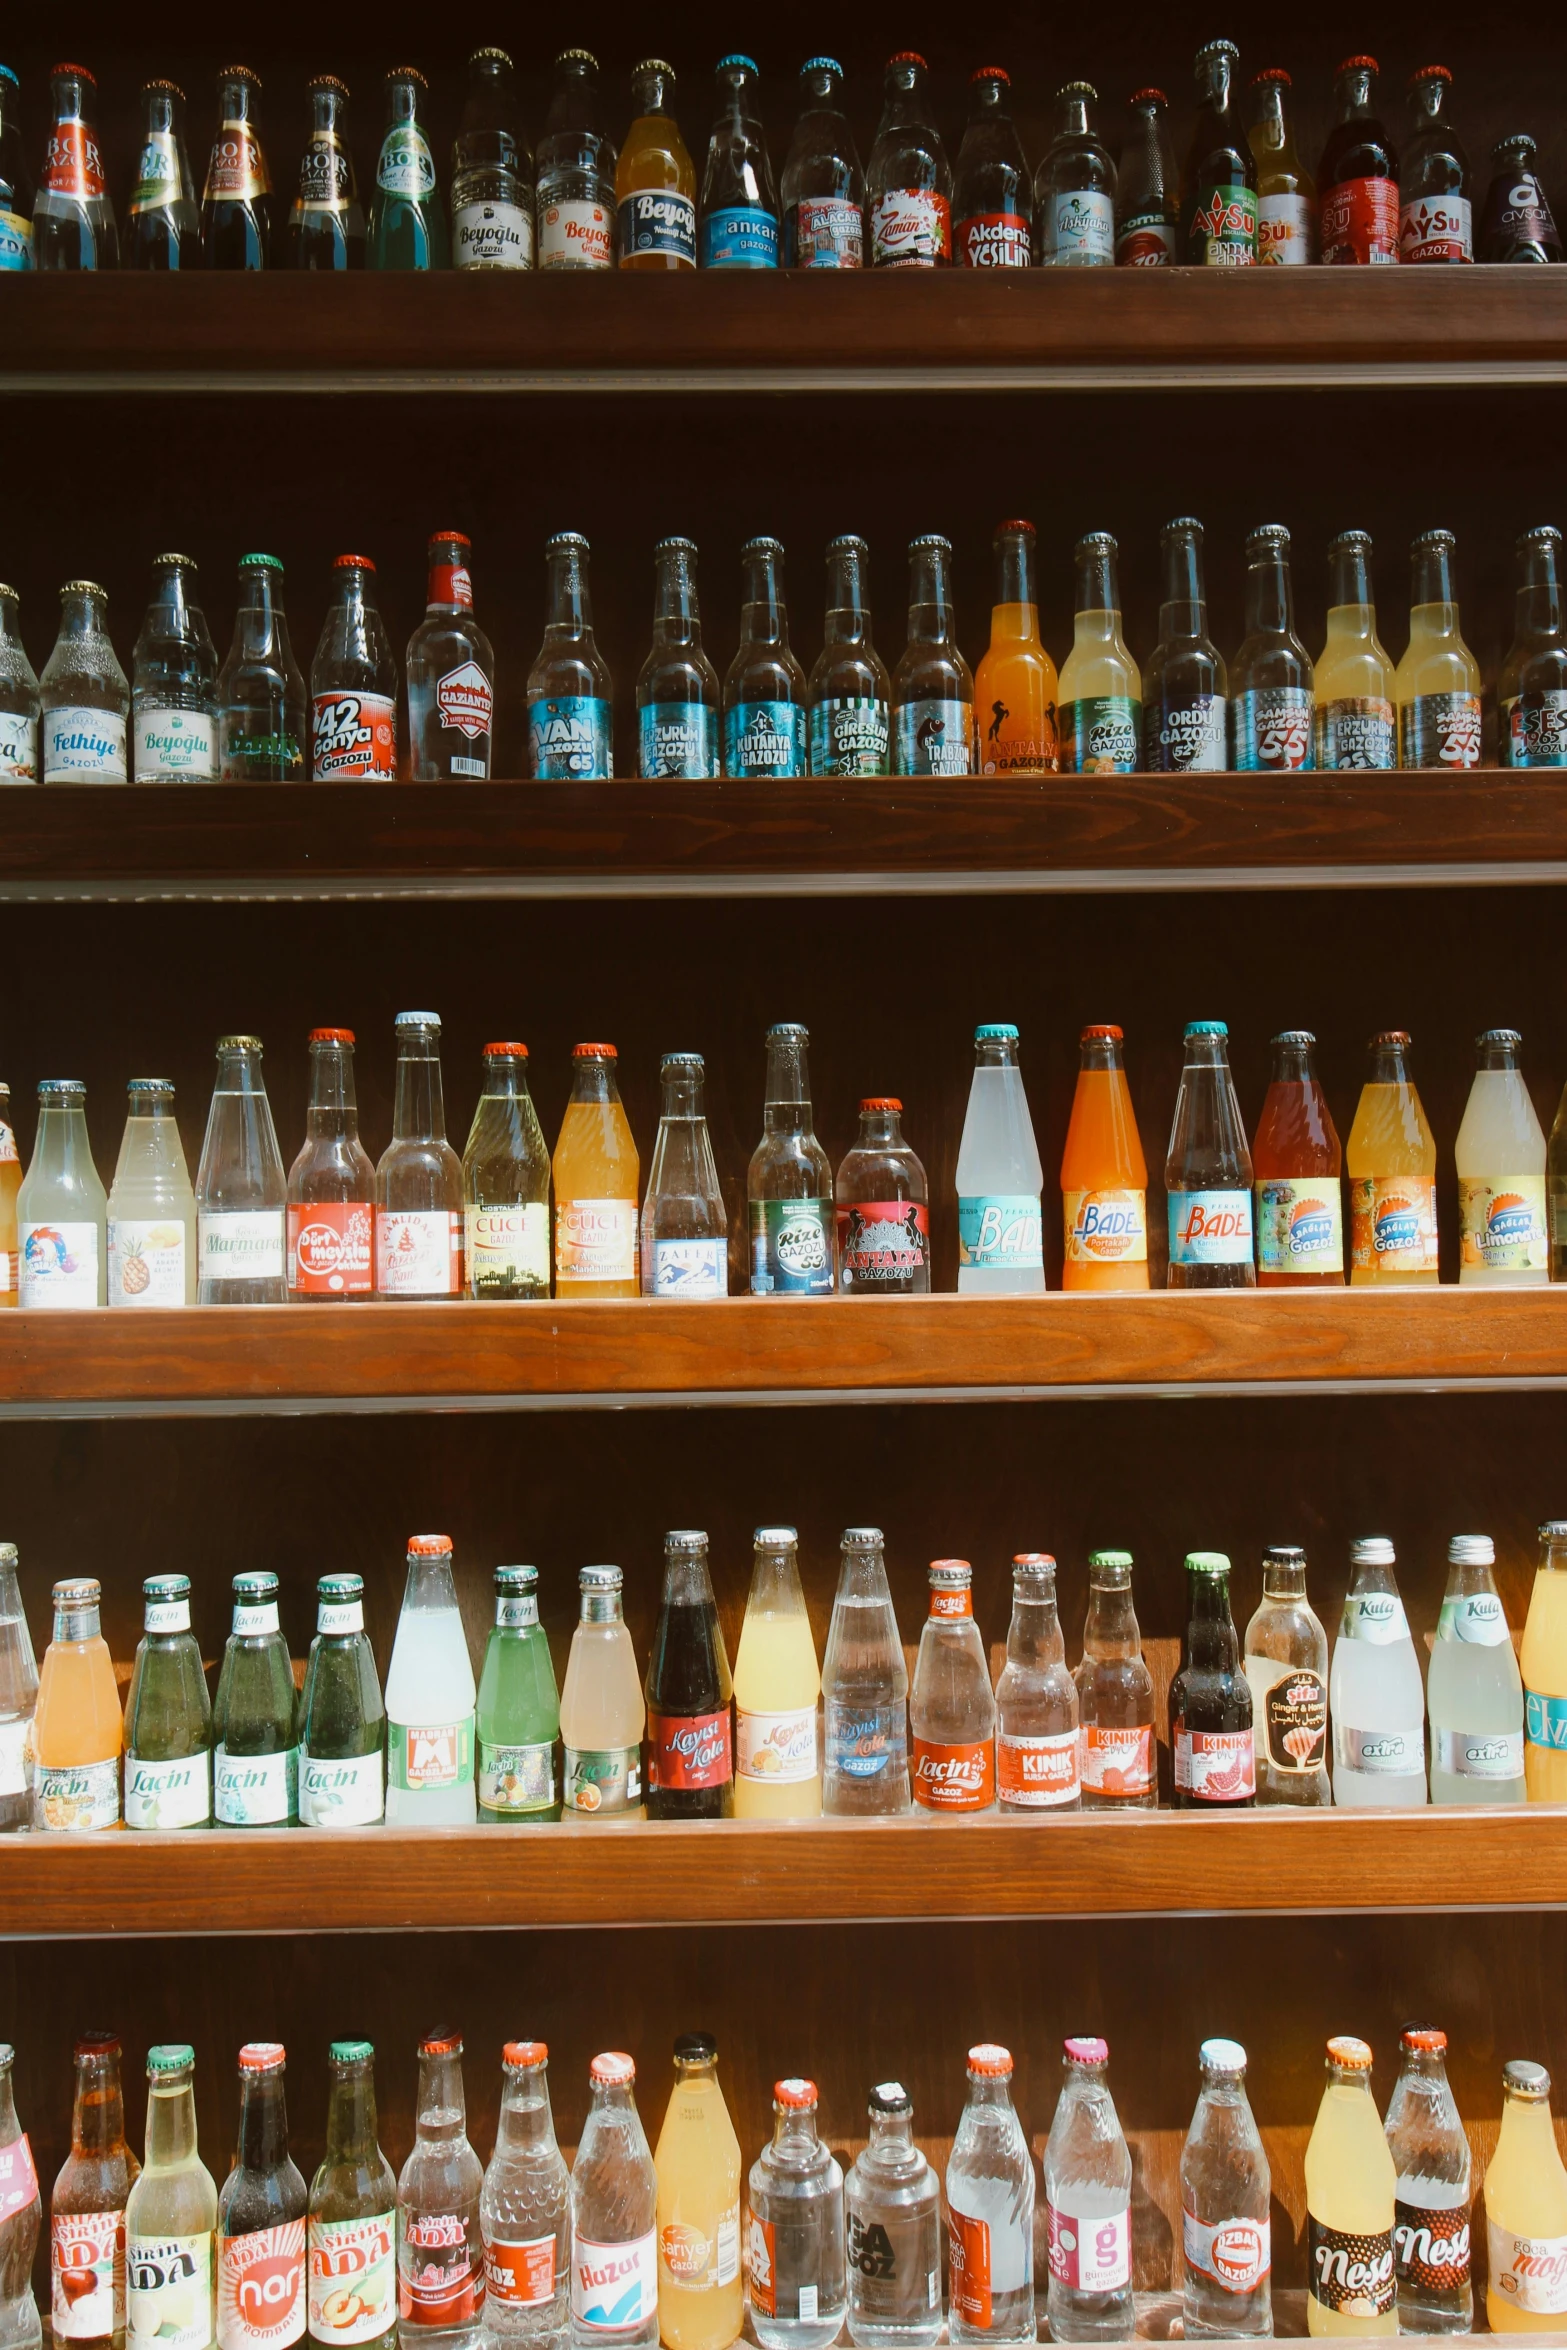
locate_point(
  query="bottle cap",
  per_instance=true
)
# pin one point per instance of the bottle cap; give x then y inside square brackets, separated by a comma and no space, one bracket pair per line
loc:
[1207,1562]
[1553,1530]
[1372,1550]
[1300,1037]
[239,73]
[991,73]
[255,1583]
[96,2047]
[319,81]
[1085,2052]
[1101,1033]
[1429,73]
[505,1052]
[682,1065]
[776,1538]
[1519,144]
[1217,49]
[1273,73]
[565,538]
[332,1036]
[822,65]
[1423,2042]
[1284,1554]
[990,2062]
[1544,534]
[418,1020]
[353,562]
[449,538]
[762,546]
[891,2097]
[78,1591]
[1446,538]
[441,2044]
[406,73]
[1033,1562]
[789,1030]
[995,1030]
[169,2057]
[908,57]
[1110,1558]
[80,72]
[795,2096]
[1350,538]
[930,539]
[61,1089]
[166,1587]
[862,1538]
[1084,90]
[1222,2056]
[429,1546]
[578,57]
[261,563]
[1350,2055]
[599,1579]
[1205,1028]
[527,2054]
[1507,1037]
[685,1539]
[881,1101]
[171,562]
[950,1574]
[10,76]
[614,2070]
[84,587]
[1471,1550]
[1148,97]
[238,1044]
[1393,1036]
[351,2052]
[261,2056]
[339,1587]
[594,1052]
[516,1579]
[10,1556]
[8,595]
[1359,65]
[1524,2079]
[157,1089]
[748,64]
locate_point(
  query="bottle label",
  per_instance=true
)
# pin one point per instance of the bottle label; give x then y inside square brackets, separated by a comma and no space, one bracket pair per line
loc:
[1357,731]
[175,746]
[168,1794]
[146,1261]
[261,2287]
[934,738]
[517,1780]
[1082,227]
[1353,2273]
[255,1790]
[690,1268]
[1431,2248]
[1502,1224]
[1186,738]
[519,2274]
[968,2268]
[1118,1761]
[1210,1227]
[1523,216]
[1216,1766]
[492,235]
[58,1265]
[1222,230]
[1294,1712]
[1478,1754]
[464,704]
[8,1151]
[425,1756]
[849,736]
[252,1619]
[1002,1232]
[1090,2255]
[76,1797]
[1038,1772]
[697,2262]
[1273,728]
[418,1252]
[1233,2253]
[86,2274]
[18,732]
[1395,1754]
[351,2281]
[826,232]
[330,1249]
[658,220]
[508,1249]
[1528,2272]
[353,735]
[347,1791]
[16,240]
[761,2264]
[1532,728]
[1107,1227]
[1545,1721]
[1358,221]
[955,1778]
[883,1244]
[157,179]
[596,1240]
[239,1244]
[679,741]
[337,1616]
[325,177]
[1377,1616]
[570,738]
[14,1736]
[777,1750]
[614,2287]
[1012,749]
[739,236]
[911,228]
[1145,240]
[18,2179]
[602,1780]
[688,1750]
[517,1612]
[866,1741]
[1300,1225]
[1440,730]
[1435,228]
[1476,1618]
[994,240]
[1285,231]
[791,1247]
[236,166]
[1392,1223]
[73,164]
[576,234]
[169,2290]
[763,740]
[406,166]
[84,743]
[438,2283]
[1102,735]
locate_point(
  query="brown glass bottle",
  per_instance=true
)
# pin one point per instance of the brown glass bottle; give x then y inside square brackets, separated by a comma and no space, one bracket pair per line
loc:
[1210,1698]
[87,2208]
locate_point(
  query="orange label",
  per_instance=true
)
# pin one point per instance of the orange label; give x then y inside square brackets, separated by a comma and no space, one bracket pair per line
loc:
[520,2275]
[761,2261]
[596,1240]
[1118,1762]
[945,1604]
[1392,1224]
[1106,1227]
[955,1778]
[968,2262]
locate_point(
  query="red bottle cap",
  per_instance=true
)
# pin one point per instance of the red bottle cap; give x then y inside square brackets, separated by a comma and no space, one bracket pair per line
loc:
[525,2052]
[79,70]
[449,538]
[1390,1036]
[594,1052]
[441,2044]
[1026,528]
[1275,73]
[612,2070]
[1356,64]
[1105,1034]
[988,73]
[505,1052]
[796,2096]
[1034,1558]
[1429,73]
[1350,2055]
[331,1036]
[353,563]
[1429,2043]
[881,1101]
[990,2061]
[429,1546]
[261,2056]
[908,57]
[1138,97]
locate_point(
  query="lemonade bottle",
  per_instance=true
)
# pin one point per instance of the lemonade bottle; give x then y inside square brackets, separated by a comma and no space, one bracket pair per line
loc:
[1356,726]
[1350,2191]
[1101,707]
[1526,2210]
[1437,683]
[1015,683]
[1392,1176]
[170,2216]
[595,1170]
[777,1683]
[1544,1665]
[1104,1180]
[602,1709]
[697,2162]
[1500,1156]
[77,1727]
[430,1698]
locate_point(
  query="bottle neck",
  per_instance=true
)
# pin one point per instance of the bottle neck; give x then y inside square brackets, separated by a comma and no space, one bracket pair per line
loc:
[880,1131]
[762,620]
[326,115]
[60,1145]
[171,2125]
[81,615]
[570,609]
[419,1111]
[1539,592]
[848,616]
[1432,574]
[1074,119]
[930,603]
[263,2123]
[686,1581]
[1427,101]
[594,1081]
[402,104]
[260,607]
[234,101]
[506,1078]
[161,115]
[1183,612]
[76,1623]
[1015,568]
[1110,1612]
[775,1579]
[795,2137]
[1283,1579]
[1387,1065]
[683,1096]
[676,620]
[1354,95]
[601,1607]
[1269,130]
[1211,1629]
[1292,1065]
[1035,1631]
[1350,576]
[891,2137]
[788,1101]
[526,2120]
[98,2110]
[1207,1052]
[1469,1579]
[1269,607]
[350,2120]
[1214,86]
[332,1106]
[351,598]
[989,2093]
[1096,582]
[442,2107]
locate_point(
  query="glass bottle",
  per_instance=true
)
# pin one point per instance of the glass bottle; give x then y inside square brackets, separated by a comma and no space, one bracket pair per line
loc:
[655,179]
[1015,685]
[1272,705]
[440,2248]
[850,691]
[1088,2192]
[174,682]
[795,2246]
[73,217]
[789,1182]
[1531,686]
[932,685]
[61,1211]
[1115,1693]
[351,2230]
[596,1172]
[419,1178]
[236,205]
[1297,1161]
[883,1213]
[240,1187]
[163,225]
[1541,1662]
[1183,682]
[353,683]
[84,698]
[865,1688]
[1357,179]
[517,1713]
[1350,2190]
[1525,2207]
[991,2190]
[822,186]
[764,690]
[739,206]
[1516,225]
[576,200]
[1104,1176]
[255,1759]
[1037,1734]
[326,221]
[685,1228]
[168,1716]
[1287,1667]
[1437,683]
[1286,191]
[614,2225]
[19,697]
[1375,1695]
[952,1709]
[1500,1159]
[87,2208]
[525,2209]
[690,1747]
[1434,212]
[261,2210]
[908,180]
[506,1184]
[492,171]
[1474,1695]
[1147,205]
[992,196]
[331,1185]
[571,732]
[1219,185]
[1226,2201]
[77,1730]
[430,1698]
[677,687]
[1431,2161]
[602,1714]
[778,1771]
[262,725]
[1101,708]
[697,2166]
[1390,1159]
[342,1719]
[1210,1697]
[10,1187]
[171,2213]
[892,2231]
[450,668]
[17,195]
[1000,1183]
[1074,187]
[1356,725]
[407,226]
[1208,1170]
[18,1697]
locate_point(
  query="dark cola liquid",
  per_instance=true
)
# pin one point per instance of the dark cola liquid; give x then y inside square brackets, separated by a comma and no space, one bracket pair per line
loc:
[690,1747]
[1211,1737]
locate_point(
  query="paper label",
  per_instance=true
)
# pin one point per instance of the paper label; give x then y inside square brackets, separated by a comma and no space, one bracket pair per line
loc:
[911,228]
[1038,1772]
[1215,1766]
[1291,1714]
[1300,1225]
[175,746]
[1431,2248]
[330,1249]
[239,1244]
[778,1750]
[1101,735]
[146,1261]
[422,1756]
[934,737]
[883,1244]
[689,1750]
[866,1741]
[697,2262]
[517,1780]
[1532,728]
[1477,1754]
[1528,2272]
[764,741]
[1285,231]
[169,2290]
[1234,2253]
[86,2275]
[576,234]
[968,2268]
[492,235]
[1436,228]
[438,2283]
[739,236]
[351,2280]
[255,1790]
[690,1268]
[348,1791]
[954,1778]
[994,240]
[73,164]
[1502,1223]
[84,745]
[463,700]
[1440,730]
[326,178]
[1186,737]
[13,1755]
[1210,1227]
[1357,732]
[254,1618]
[660,221]
[18,732]
[1145,240]
[58,1265]
[236,165]
[1105,1227]
[678,741]
[16,239]
[1377,1616]
[571,739]
[18,2179]
[1118,1761]
[418,1252]
[1221,231]
[261,2287]
[1545,1721]
[1003,1232]
[1080,228]
[1394,1754]
[76,1798]
[337,1616]
[175,1794]
[825,232]
[1392,1224]
[1476,1618]
[353,736]
[519,2274]
[602,1780]
[1090,2255]
[508,1249]
[405,166]
[1351,2273]
[1272,729]
[614,2286]
[792,1247]
[596,1240]
[761,2264]
[1358,221]
[849,736]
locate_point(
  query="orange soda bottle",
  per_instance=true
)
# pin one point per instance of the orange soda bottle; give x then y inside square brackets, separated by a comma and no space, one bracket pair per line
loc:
[77,1725]
[1015,683]
[596,1173]
[1296,1160]
[1104,1180]
[1392,1176]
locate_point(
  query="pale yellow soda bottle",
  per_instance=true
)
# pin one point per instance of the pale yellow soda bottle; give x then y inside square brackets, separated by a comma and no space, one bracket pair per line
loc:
[1357,726]
[1351,2186]
[1543,1664]
[602,1710]
[777,1683]
[1437,683]
[1526,2211]
[1390,1159]
[697,2161]
[1100,715]
[596,1173]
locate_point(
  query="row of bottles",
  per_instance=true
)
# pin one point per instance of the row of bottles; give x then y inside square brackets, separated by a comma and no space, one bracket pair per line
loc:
[1252,1722]
[183,718]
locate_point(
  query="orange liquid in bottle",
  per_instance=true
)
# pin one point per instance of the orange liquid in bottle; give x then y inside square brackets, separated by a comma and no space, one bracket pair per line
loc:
[77,1724]
[1104,1179]
[1015,685]
[596,1172]
[1296,1161]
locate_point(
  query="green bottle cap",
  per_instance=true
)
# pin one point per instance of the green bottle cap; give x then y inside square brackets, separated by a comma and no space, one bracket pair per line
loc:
[173,2057]
[1110,1558]
[255,1586]
[341,1587]
[351,2052]
[259,563]
[1207,1562]
[166,1587]
[516,1578]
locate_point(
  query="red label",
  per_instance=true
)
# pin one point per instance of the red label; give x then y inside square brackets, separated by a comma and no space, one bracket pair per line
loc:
[87,2274]
[354,735]
[689,1750]
[261,2287]
[450,584]
[1037,1771]
[968,2266]
[994,240]
[520,2276]
[437,2283]
[1359,221]
[955,1778]
[329,1249]
[1118,1762]
[1217,1766]
[18,2178]
[236,166]
[882,1241]
[72,163]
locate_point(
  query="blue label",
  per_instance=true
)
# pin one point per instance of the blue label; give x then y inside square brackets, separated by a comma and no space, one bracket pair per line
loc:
[1545,1720]
[1003,1231]
[1532,729]
[1210,1227]
[849,736]
[792,1247]
[16,241]
[569,739]
[1271,729]
[658,220]
[866,1741]
[678,739]
[739,236]
[690,1268]
[935,738]
[763,739]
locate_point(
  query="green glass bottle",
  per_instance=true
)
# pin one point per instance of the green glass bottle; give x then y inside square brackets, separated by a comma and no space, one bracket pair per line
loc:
[518,1708]
[168,1719]
[342,1720]
[407,222]
[255,1761]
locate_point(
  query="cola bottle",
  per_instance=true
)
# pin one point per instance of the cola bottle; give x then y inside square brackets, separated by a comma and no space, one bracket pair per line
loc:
[174,682]
[451,673]
[261,2210]
[236,206]
[822,186]
[1183,681]
[492,171]
[163,226]
[1226,2201]
[331,1185]
[577,158]
[1433,209]
[1146,206]
[353,683]
[952,1709]
[1074,188]
[17,194]
[908,181]
[690,1744]
[1088,2199]
[1037,1735]
[739,206]
[262,735]
[1516,224]
[326,222]
[1357,179]
[1219,187]
[1210,1697]
[73,218]
[1431,2209]
[992,193]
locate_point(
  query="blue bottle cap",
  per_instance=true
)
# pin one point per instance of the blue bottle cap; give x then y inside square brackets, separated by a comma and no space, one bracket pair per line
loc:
[748,62]
[16,85]
[811,65]
[999,1028]
[1206,1028]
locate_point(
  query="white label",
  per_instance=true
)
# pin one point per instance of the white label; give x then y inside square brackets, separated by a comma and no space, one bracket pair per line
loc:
[146,1261]
[240,1244]
[18,747]
[690,1268]
[729,2257]
[778,1750]
[807,2295]
[1397,1753]
[1234,2253]
[1377,1616]
[1093,2253]
[1476,1618]
[347,1793]
[254,1617]
[352,2281]
[335,1616]
[261,2287]
[169,2281]
[175,746]
[59,1266]
[13,1756]
[492,235]
[255,1790]
[574,234]
[76,1797]
[167,1615]
[418,1252]
[84,745]
[614,2287]
[1036,1773]
[1478,1754]
[1084,226]
[1529,2272]
[169,1794]
[1284,229]
[88,2248]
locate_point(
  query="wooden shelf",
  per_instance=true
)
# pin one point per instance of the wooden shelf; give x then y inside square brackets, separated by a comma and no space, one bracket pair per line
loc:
[465,840]
[1070,329]
[395,1357]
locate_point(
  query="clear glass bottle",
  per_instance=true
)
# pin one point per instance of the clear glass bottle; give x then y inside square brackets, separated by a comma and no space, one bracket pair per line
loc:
[1101,707]
[440,2246]
[168,1716]
[431,1700]
[992,194]
[1474,1693]
[764,690]
[1000,1183]
[678,693]
[525,2209]
[1272,701]
[517,1712]
[892,2232]
[1357,722]
[174,682]
[1226,2204]
[865,1689]
[1037,1709]
[19,697]
[342,1719]
[419,1179]
[883,1209]
[908,180]
[163,225]
[932,686]
[991,2191]
[1147,208]
[685,1227]
[353,683]
[1287,1666]
[952,1708]
[1074,187]
[171,2214]
[407,226]
[151,1218]
[326,222]
[795,2247]
[241,1191]
[21,2215]
[1435,222]
[261,2209]
[822,186]
[571,713]
[61,1209]
[1430,2151]
[1088,2194]
[18,1696]
[1115,1694]
[77,1730]
[492,171]
[506,1184]
[576,199]
[87,2207]
[73,216]
[602,1711]
[84,699]
[1208,1170]
[1376,1700]
[1183,682]
[255,1756]
[1531,685]
[655,180]
[789,1183]
[237,205]
[850,691]
[450,670]
[614,2204]
[331,1185]
[1286,191]
[1437,683]
[263,728]
[351,2231]
[739,204]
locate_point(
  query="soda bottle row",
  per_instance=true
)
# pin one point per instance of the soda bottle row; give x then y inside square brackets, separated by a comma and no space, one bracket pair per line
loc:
[1242,196]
